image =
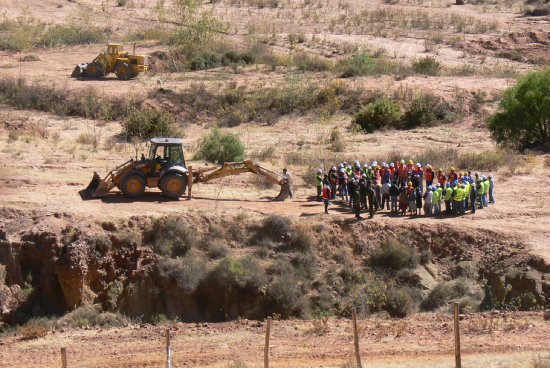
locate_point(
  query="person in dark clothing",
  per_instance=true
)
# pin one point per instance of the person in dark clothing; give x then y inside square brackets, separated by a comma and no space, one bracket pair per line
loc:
[351,188]
[363,191]
[394,194]
[418,201]
[372,198]
[415,180]
[473,195]
[356,202]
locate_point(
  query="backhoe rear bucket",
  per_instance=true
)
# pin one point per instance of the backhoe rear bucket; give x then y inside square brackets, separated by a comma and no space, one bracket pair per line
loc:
[79,70]
[97,187]
[284,193]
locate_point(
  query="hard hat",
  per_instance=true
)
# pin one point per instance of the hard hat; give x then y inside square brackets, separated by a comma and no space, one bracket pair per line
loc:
[342,170]
[429,187]
[452,169]
[437,185]
[356,176]
[319,171]
[440,169]
[429,166]
[461,173]
[384,163]
[378,167]
[392,165]
[341,165]
[402,161]
[491,176]
[345,163]
[411,162]
[370,167]
[477,173]
[448,184]
[374,163]
[455,182]
[410,183]
[366,165]
[364,175]
[333,166]
[418,164]
[349,167]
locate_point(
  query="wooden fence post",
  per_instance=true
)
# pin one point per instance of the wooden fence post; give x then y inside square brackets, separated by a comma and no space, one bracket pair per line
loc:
[458,362]
[356,339]
[168,353]
[189,181]
[63,357]
[266,347]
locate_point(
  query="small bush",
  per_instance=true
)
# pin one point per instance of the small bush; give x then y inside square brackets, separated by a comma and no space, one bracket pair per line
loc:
[243,273]
[311,63]
[357,65]
[91,315]
[216,249]
[401,301]
[171,236]
[382,113]
[394,255]
[146,124]
[13,136]
[443,293]
[276,227]
[205,60]
[426,111]
[33,330]
[159,319]
[285,297]
[217,147]
[68,35]
[301,239]
[427,65]
[187,272]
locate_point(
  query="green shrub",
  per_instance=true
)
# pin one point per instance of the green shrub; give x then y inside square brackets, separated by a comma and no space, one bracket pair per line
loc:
[357,65]
[205,60]
[68,35]
[427,65]
[394,255]
[443,293]
[150,123]
[426,111]
[243,273]
[217,147]
[311,63]
[525,117]
[187,272]
[401,301]
[171,236]
[301,238]
[276,227]
[159,319]
[91,315]
[382,113]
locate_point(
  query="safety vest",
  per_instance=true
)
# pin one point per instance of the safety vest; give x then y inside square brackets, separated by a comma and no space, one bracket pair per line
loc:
[440,191]
[333,177]
[458,195]
[349,172]
[486,186]
[370,174]
[441,179]
[480,188]
[453,176]
[448,194]
[436,196]
[420,172]
[402,172]
[429,175]
[318,180]
[467,190]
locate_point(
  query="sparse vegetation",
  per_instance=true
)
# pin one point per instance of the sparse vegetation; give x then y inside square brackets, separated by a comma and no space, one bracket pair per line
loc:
[382,113]
[150,123]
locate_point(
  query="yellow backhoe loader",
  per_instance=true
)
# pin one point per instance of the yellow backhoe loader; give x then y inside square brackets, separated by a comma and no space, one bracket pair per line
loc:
[114,60]
[165,168]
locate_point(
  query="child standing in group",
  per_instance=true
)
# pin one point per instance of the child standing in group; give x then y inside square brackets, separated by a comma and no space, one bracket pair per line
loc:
[403,200]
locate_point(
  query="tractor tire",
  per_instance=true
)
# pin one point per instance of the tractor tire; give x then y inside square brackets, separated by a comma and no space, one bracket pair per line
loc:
[123,71]
[94,70]
[173,185]
[133,186]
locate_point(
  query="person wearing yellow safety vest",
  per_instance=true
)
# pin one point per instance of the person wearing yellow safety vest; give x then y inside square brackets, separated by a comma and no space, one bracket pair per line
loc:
[480,189]
[440,190]
[457,198]
[486,187]
[319,184]
[436,198]
[448,198]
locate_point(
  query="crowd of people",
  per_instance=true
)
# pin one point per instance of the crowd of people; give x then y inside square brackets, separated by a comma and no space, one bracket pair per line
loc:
[404,187]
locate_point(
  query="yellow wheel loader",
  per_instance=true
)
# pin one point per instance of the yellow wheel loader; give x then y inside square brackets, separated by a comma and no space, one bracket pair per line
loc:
[165,169]
[114,60]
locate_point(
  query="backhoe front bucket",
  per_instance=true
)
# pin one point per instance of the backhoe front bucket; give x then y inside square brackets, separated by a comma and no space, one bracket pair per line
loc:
[79,70]
[97,187]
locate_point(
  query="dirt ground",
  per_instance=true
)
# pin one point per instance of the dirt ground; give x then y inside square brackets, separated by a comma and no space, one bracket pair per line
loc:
[502,340]
[46,167]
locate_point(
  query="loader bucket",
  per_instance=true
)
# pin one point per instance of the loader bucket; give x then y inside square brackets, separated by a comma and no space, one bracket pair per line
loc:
[97,187]
[78,71]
